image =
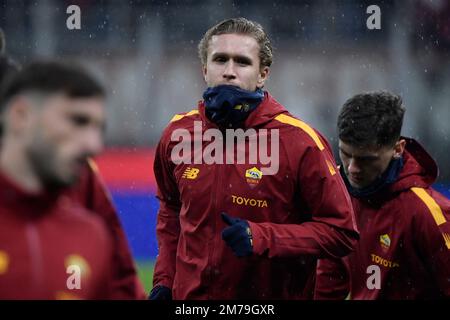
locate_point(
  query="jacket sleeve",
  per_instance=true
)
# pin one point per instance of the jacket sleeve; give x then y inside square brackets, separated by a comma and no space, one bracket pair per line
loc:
[332,280]
[331,231]
[431,229]
[168,225]
[125,283]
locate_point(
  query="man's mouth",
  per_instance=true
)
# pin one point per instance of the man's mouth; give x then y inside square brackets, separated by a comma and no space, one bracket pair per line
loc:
[355,179]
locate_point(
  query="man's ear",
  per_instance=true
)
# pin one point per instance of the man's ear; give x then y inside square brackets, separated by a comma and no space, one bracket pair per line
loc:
[18,114]
[262,76]
[399,148]
[204,71]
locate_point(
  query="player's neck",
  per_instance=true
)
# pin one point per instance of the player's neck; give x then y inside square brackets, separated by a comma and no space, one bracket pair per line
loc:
[15,166]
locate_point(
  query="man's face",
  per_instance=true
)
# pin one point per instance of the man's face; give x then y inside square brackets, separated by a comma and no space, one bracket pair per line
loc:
[61,135]
[233,59]
[363,165]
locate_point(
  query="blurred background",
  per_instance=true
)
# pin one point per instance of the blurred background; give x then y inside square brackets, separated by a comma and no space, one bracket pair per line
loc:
[145,52]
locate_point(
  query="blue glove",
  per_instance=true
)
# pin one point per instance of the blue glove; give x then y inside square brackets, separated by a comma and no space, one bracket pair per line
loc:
[238,235]
[160,293]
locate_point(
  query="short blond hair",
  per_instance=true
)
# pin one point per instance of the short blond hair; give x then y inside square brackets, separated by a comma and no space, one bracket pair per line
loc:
[239,26]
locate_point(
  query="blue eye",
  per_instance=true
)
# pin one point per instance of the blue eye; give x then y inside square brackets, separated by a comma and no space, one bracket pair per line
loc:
[220,59]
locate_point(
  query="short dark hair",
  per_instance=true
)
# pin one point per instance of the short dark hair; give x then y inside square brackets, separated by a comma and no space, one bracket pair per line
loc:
[372,119]
[51,78]
[239,26]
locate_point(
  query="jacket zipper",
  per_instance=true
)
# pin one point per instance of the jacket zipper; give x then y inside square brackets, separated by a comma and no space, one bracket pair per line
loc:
[215,230]
[35,251]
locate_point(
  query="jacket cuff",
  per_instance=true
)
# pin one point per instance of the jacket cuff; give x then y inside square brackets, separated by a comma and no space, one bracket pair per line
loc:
[259,242]
[164,282]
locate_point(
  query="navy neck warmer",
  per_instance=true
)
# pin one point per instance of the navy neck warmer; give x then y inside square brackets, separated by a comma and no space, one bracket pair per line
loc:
[387,178]
[229,106]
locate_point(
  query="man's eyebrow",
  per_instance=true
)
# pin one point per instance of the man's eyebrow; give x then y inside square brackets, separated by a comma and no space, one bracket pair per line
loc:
[238,57]
[243,59]
[220,54]
[368,157]
[344,152]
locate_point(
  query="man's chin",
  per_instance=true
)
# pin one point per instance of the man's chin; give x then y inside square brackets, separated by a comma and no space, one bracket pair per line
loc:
[356,184]
[61,183]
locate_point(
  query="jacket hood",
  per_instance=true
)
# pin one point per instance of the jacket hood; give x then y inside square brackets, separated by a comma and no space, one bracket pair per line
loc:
[419,170]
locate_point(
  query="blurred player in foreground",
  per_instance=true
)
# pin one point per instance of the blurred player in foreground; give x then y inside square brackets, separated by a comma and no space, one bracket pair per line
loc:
[404,246]
[53,120]
[91,193]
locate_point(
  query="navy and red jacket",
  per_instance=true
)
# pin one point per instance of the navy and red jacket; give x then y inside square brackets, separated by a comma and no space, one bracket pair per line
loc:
[404,246]
[296,215]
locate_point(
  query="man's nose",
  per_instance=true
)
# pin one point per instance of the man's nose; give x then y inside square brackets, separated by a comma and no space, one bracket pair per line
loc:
[353,167]
[229,73]
[93,142]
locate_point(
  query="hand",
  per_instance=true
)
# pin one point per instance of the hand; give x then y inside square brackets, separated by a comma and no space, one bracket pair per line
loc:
[160,293]
[238,236]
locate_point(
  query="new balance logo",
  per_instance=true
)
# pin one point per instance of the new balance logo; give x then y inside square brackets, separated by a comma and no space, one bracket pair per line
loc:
[190,173]
[447,239]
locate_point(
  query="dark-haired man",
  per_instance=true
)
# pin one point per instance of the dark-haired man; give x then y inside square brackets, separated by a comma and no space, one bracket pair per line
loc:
[248,228]
[404,246]
[92,194]
[51,247]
